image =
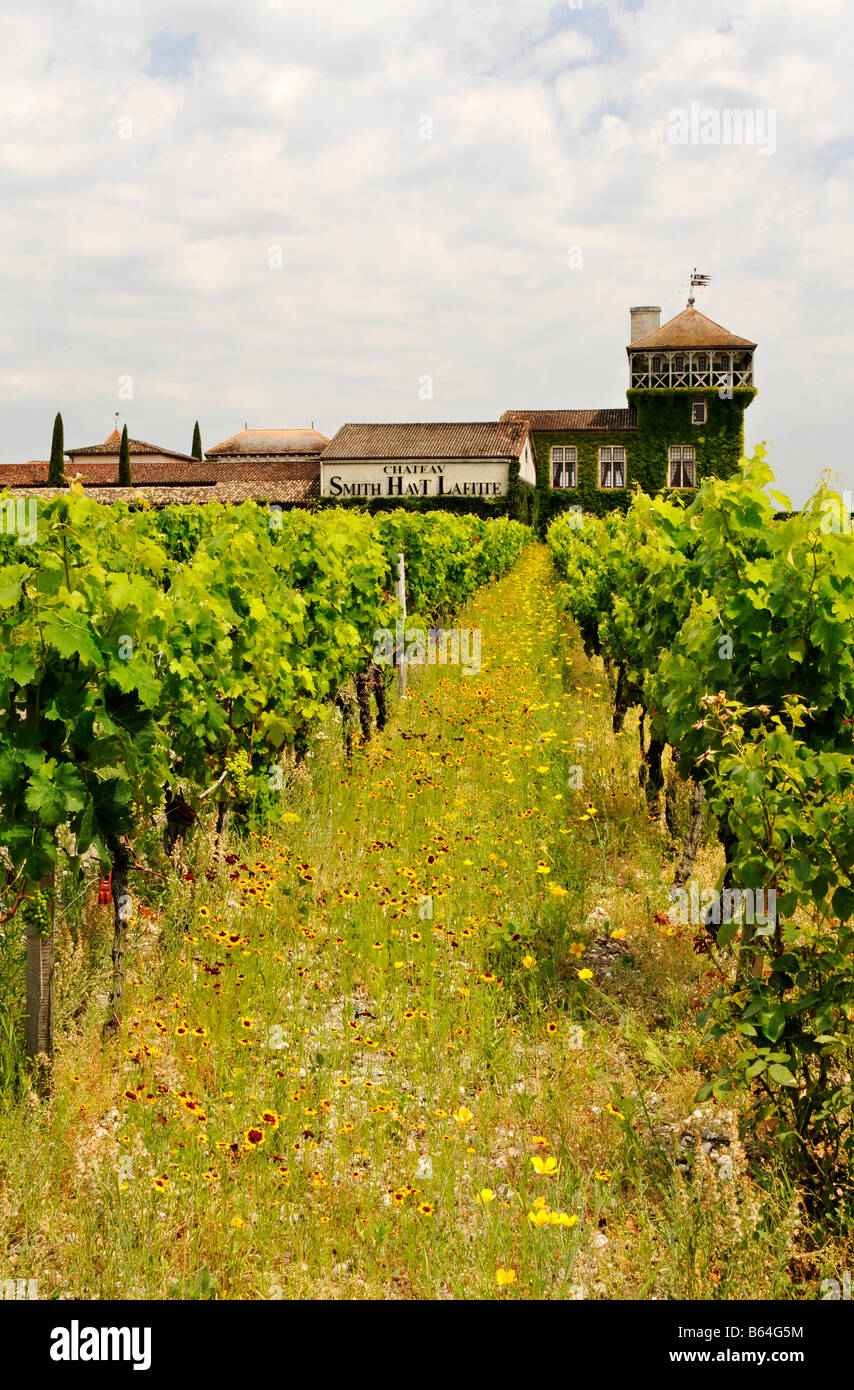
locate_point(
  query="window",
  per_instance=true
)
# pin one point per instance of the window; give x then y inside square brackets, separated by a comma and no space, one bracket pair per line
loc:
[656,364]
[702,363]
[678,364]
[564,459]
[698,410]
[682,465]
[612,466]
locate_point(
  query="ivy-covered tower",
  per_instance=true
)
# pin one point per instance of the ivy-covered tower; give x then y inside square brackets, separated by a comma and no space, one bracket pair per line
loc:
[692,378]
[690,381]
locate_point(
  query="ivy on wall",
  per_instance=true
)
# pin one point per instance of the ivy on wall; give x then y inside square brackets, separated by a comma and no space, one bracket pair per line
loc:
[664,418]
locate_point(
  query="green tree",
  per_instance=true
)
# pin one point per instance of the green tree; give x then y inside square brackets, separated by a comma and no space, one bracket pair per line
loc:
[197,442]
[125,479]
[56,471]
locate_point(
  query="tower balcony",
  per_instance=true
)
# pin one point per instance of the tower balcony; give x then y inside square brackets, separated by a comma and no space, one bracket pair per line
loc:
[703,370]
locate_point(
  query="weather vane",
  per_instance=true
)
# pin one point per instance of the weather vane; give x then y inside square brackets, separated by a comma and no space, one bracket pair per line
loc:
[697,281]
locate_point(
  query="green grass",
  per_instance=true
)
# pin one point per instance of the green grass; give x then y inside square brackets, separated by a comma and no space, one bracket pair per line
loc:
[478,1045]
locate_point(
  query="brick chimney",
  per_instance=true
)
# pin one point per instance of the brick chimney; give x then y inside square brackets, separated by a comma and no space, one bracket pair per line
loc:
[645,319]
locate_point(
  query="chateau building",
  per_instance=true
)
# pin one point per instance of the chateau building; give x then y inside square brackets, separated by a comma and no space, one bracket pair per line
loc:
[432,460]
[690,381]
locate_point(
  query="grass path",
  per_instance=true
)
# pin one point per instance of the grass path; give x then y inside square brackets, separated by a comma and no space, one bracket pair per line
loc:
[428,1032]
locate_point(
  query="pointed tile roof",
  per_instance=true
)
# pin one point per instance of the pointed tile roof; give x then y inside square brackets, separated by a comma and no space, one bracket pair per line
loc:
[690,329]
[112,444]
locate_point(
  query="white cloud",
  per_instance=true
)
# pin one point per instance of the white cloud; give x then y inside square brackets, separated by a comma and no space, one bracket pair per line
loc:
[404,256]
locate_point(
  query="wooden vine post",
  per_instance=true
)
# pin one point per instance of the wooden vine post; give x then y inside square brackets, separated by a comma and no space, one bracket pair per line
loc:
[120,852]
[39,915]
[401,598]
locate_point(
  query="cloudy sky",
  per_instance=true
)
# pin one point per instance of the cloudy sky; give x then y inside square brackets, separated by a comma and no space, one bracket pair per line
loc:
[285,211]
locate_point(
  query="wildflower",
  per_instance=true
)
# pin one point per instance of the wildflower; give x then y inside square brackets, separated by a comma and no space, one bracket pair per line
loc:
[485,1196]
[543,868]
[551,1027]
[544,1166]
[425,1208]
[237,1221]
[560,1218]
[254,1137]
[540,1217]
[584,974]
[463,1115]
[614,1111]
[505,1276]
[556,890]
[604,1176]
[529,962]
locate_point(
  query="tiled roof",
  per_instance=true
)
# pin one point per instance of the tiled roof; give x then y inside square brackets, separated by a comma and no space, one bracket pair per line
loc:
[94,473]
[260,442]
[112,444]
[690,329]
[454,440]
[620,419]
[283,490]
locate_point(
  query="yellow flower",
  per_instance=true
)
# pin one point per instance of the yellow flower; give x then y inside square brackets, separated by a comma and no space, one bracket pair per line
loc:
[485,1196]
[289,816]
[237,1221]
[614,1111]
[557,891]
[529,962]
[604,1176]
[545,1166]
[543,868]
[505,1276]
[560,1218]
[463,1115]
[540,1217]
[584,974]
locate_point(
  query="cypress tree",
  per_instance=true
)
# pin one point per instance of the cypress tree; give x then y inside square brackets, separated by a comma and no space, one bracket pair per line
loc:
[197,442]
[125,479]
[56,471]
